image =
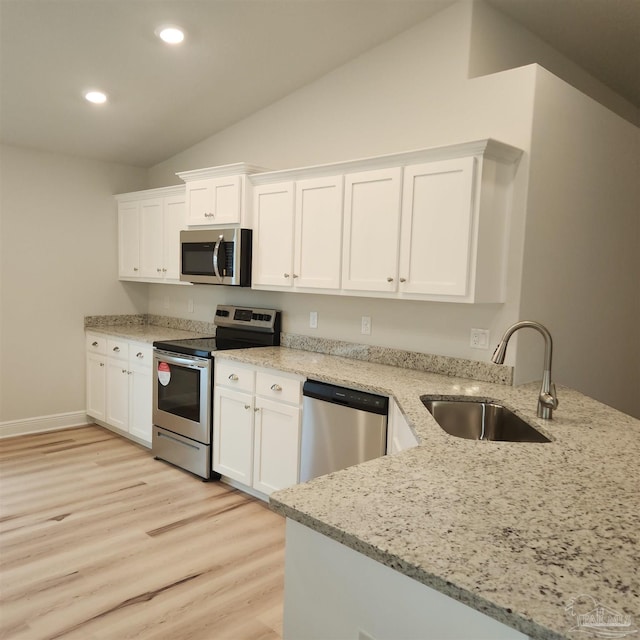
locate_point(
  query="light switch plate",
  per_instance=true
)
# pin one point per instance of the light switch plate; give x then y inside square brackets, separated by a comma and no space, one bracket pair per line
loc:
[366,325]
[313,319]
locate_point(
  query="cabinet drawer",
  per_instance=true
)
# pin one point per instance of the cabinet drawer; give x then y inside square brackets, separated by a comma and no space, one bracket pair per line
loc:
[95,343]
[235,376]
[140,354]
[117,348]
[276,386]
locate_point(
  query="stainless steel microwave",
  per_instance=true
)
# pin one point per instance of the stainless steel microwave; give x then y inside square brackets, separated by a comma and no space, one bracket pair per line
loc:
[216,256]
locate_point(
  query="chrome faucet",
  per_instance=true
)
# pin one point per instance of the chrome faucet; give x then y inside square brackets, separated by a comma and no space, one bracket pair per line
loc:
[547,400]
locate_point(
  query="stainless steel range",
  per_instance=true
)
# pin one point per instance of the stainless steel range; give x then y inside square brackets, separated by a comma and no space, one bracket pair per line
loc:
[183,386]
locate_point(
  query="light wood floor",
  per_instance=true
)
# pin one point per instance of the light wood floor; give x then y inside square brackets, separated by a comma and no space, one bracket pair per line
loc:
[99,540]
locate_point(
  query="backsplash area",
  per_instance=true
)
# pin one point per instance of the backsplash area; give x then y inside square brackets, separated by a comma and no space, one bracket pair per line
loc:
[443,365]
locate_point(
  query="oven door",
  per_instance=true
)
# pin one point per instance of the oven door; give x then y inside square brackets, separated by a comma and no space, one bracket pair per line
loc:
[182,395]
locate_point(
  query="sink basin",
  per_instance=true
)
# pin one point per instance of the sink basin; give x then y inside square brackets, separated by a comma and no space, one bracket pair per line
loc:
[481,420]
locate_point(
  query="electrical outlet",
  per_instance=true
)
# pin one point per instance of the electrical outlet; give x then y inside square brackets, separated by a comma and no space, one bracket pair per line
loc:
[366,325]
[479,338]
[313,319]
[190,305]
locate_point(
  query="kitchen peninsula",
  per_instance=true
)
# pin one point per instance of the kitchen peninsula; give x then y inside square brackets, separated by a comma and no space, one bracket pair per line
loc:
[516,531]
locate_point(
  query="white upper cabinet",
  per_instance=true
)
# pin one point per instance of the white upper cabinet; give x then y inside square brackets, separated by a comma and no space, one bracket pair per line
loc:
[273,235]
[218,195]
[149,225]
[318,233]
[298,234]
[371,230]
[425,225]
[438,216]
[129,239]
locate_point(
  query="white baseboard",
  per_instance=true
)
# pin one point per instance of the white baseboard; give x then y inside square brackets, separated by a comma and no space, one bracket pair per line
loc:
[41,424]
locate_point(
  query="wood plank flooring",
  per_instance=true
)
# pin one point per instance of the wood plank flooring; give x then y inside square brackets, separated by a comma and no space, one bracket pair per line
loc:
[99,540]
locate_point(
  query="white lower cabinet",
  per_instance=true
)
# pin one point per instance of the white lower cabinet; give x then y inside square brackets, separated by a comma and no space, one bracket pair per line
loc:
[399,433]
[119,385]
[256,426]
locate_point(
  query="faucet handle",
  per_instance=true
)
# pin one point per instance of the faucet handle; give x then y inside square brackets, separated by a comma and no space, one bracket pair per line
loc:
[550,399]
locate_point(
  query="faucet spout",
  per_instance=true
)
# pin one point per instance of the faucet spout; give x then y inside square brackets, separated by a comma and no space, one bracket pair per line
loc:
[547,400]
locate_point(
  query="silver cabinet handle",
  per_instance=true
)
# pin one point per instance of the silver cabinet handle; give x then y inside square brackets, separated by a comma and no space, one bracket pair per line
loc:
[116,349]
[389,279]
[139,355]
[233,376]
[403,279]
[276,387]
[94,344]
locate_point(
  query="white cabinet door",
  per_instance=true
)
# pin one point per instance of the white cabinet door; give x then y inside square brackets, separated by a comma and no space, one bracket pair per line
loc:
[277,445]
[96,385]
[117,414]
[233,434]
[371,230]
[128,239]
[140,391]
[273,234]
[174,222]
[151,223]
[399,434]
[214,200]
[437,216]
[318,233]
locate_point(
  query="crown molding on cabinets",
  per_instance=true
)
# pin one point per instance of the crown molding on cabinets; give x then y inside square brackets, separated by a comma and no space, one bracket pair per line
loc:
[488,148]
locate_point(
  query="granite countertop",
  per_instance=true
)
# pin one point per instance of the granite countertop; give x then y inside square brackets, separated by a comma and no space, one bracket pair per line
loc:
[514,530]
[145,328]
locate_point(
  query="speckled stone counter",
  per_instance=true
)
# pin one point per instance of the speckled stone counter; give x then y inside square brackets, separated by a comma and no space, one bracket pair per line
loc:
[148,328]
[514,530]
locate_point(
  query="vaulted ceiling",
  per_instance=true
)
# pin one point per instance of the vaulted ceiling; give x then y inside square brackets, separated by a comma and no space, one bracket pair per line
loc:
[239,56]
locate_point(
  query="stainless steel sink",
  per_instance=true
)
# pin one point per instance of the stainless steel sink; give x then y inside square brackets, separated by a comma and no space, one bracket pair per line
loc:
[481,420]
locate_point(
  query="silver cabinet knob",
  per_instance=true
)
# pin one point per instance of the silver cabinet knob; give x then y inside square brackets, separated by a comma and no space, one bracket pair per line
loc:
[135,268]
[233,376]
[116,349]
[94,344]
[102,364]
[139,355]
[159,270]
[389,279]
[276,387]
[124,371]
[403,279]
[164,271]
[247,406]
[295,275]
[286,275]
[256,410]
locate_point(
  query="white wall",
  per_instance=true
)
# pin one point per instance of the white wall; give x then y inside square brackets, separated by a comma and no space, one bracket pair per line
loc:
[499,43]
[582,253]
[58,264]
[408,93]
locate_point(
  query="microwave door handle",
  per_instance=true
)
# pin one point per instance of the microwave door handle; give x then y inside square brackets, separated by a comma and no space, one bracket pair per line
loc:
[216,251]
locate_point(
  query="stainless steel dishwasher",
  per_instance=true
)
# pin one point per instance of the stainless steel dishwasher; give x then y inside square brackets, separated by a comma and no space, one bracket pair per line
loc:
[340,427]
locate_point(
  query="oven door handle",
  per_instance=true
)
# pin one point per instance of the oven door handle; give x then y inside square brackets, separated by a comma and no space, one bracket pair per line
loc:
[216,251]
[184,362]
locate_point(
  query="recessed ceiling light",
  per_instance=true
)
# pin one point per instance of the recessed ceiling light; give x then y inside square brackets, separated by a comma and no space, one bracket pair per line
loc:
[96,97]
[170,34]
